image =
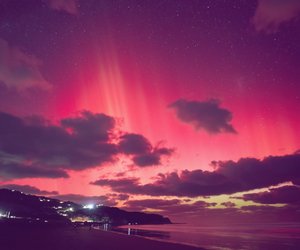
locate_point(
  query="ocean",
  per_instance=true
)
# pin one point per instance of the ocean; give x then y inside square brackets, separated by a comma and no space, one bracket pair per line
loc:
[241,237]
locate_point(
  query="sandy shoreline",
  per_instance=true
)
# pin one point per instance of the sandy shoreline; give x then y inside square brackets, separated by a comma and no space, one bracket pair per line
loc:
[66,238]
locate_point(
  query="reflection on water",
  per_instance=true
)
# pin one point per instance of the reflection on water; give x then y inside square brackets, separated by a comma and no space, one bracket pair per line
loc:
[106,227]
[283,236]
[141,232]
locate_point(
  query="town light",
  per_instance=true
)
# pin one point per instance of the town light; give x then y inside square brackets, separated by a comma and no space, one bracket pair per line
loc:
[89,206]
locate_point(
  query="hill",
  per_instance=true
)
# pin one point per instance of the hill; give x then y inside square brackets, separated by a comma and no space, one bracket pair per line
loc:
[18,206]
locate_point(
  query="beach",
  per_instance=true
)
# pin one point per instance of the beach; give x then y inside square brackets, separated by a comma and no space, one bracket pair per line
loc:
[68,238]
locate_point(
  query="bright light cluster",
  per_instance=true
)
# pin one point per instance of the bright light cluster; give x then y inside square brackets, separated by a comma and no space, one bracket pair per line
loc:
[89,206]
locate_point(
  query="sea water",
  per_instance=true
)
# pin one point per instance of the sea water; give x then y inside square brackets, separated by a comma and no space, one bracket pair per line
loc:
[242,237]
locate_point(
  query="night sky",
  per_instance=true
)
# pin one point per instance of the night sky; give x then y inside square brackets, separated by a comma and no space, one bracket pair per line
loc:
[188,108]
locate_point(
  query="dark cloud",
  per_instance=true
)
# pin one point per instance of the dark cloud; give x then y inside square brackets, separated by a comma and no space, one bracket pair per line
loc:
[207,214]
[19,171]
[146,160]
[90,127]
[151,203]
[152,158]
[227,178]
[69,6]
[134,144]
[284,194]
[189,183]
[120,197]
[207,115]
[189,209]
[43,146]
[228,204]
[35,147]
[246,215]
[168,207]
[118,184]
[252,173]
[19,70]
[143,153]
[270,14]
[28,189]
[82,199]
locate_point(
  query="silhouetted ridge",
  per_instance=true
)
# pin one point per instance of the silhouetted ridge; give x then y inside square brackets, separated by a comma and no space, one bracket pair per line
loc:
[17,206]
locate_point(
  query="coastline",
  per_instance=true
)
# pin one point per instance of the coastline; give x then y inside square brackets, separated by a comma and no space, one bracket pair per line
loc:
[155,238]
[64,238]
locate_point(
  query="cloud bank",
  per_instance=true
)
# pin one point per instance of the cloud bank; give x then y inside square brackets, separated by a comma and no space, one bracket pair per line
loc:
[229,177]
[172,206]
[285,194]
[28,189]
[35,147]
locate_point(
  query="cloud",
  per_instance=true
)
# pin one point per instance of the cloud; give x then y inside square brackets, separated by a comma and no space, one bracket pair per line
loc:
[120,197]
[90,127]
[20,171]
[35,147]
[228,177]
[150,203]
[143,153]
[82,199]
[74,144]
[119,184]
[189,209]
[206,115]
[228,204]
[153,157]
[19,70]
[69,6]
[28,189]
[168,207]
[245,215]
[285,194]
[270,14]
[134,144]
